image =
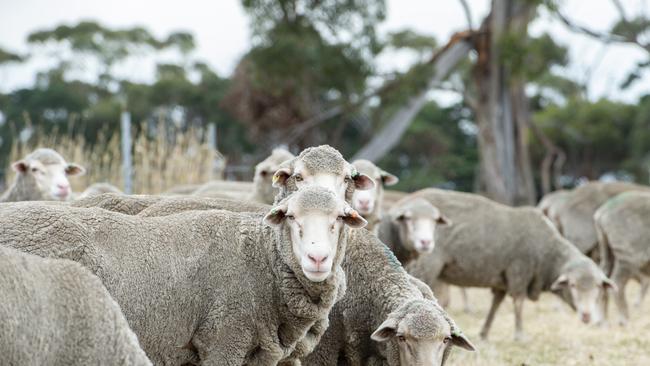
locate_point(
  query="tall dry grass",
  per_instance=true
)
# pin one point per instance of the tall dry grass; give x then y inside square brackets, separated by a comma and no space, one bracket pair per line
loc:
[162,157]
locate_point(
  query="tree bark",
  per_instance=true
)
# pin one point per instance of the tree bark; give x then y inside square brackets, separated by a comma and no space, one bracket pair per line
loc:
[389,136]
[502,110]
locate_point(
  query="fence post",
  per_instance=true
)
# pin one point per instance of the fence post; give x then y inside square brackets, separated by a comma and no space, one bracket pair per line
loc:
[127,164]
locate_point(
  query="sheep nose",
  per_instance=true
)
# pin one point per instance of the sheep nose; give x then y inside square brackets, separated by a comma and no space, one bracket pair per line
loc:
[364,203]
[317,259]
[62,186]
[425,243]
[586,317]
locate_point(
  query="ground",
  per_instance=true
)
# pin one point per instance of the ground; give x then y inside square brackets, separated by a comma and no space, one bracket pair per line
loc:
[554,334]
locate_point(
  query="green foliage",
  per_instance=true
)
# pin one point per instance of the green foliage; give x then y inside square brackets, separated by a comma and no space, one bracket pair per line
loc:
[7,57]
[531,57]
[408,39]
[595,136]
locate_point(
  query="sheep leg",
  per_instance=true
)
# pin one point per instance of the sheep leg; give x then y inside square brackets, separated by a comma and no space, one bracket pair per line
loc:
[463,294]
[620,276]
[497,299]
[645,283]
[518,302]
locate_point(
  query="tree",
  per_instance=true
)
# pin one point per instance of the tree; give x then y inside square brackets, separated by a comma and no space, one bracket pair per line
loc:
[307,56]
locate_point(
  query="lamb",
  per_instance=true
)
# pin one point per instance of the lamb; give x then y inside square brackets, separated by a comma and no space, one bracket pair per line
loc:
[96,189]
[264,192]
[55,312]
[369,202]
[575,215]
[622,224]
[383,314]
[513,251]
[41,176]
[212,287]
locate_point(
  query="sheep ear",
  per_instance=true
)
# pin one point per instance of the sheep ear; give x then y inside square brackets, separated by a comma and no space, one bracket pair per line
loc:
[276,215]
[444,220]
[459,340]
[74,169]
[280,177]
[560,283]
[362,182]
[21,166]
[353,219]
[388,179]
[386,331]
[609,284]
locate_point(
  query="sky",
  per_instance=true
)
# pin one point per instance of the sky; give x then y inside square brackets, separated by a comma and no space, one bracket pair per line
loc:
[222,33]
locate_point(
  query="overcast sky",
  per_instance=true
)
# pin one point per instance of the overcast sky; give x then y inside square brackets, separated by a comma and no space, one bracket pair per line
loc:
[222,34]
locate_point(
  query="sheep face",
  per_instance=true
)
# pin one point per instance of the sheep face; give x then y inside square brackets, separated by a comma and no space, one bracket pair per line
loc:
[315,219]
[323,166]
[47,170]
[416,224]
[264,173]
[585,283]
[365,201]
[419,335]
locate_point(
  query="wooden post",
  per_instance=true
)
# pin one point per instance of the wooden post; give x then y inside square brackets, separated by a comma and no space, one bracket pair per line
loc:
[127,162]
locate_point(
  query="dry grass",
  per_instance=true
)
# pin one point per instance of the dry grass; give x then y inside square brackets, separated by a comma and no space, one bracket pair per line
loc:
[554,335]
[161,160]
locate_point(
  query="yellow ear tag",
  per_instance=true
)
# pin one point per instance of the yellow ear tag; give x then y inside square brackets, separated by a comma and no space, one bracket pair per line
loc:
[275,178]
[354,214]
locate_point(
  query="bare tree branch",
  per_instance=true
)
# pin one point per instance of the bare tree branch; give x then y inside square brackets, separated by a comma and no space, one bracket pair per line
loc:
[468,14]
[620,8]
[601,36]
[443,62]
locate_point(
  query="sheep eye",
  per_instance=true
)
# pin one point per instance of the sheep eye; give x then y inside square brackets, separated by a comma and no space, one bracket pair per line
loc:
[401,338]
[264,173]
[34,170]
[446,340]
[299,178]
[290,217]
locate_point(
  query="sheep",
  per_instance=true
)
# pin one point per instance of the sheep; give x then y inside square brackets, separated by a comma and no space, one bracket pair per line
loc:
[622,226]
[384,313]
[173,205]
[574,216]
[369,202]
[55,312]
[409,228]
[96,189]
[264,192]
[125,204]
[183,189]
[41,176]
[550,202]
[225,189]
[513,251]
[214,287]
[321,165]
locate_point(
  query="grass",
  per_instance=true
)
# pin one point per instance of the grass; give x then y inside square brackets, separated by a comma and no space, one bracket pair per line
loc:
[554,334]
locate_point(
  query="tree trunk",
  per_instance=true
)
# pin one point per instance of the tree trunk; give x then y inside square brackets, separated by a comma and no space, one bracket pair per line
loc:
[502,110]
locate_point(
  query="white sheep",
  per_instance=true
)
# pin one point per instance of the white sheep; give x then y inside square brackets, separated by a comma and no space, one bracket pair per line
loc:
[263,190]
[213,286]
[41,176]
[369,202]
[55,312]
